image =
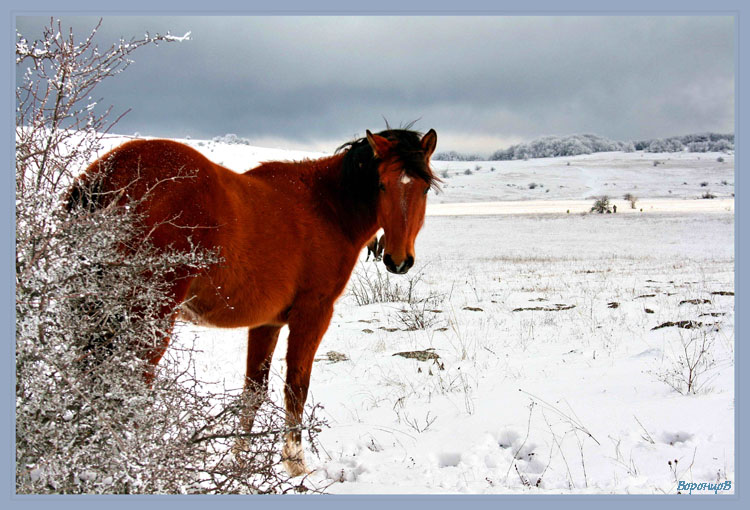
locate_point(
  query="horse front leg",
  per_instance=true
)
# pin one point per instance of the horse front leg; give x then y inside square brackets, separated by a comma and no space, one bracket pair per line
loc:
[306,328]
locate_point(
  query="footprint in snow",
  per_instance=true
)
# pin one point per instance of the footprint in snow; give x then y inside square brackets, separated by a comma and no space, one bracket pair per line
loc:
[522,451]
[673,438]
[343,470]
[449,459]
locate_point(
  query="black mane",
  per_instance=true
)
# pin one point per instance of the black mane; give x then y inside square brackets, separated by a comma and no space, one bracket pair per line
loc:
[360,166]
[358,182]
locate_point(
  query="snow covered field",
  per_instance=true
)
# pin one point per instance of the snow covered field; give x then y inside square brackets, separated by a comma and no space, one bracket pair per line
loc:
[543,348]
[683,175]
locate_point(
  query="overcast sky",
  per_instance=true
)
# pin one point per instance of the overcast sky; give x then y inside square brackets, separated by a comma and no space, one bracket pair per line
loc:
[482,83]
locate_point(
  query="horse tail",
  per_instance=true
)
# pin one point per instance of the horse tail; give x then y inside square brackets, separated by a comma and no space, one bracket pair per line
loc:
[84,197]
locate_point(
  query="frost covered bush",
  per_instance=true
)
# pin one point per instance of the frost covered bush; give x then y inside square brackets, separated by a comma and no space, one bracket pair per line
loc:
[698,147]
[703,142]
[554,146]
[721,146]
[86,422]
[231,139]
[455,156]
[665,145]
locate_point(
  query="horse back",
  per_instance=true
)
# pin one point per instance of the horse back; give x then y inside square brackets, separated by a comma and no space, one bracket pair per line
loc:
[176,189]
[264,225]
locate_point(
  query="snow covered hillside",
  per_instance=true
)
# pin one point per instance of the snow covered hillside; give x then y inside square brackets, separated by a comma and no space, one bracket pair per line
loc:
[673,176]
[680,175]
[543,351]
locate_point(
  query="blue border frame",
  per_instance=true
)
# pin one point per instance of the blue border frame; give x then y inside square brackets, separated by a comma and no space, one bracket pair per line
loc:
[396,7]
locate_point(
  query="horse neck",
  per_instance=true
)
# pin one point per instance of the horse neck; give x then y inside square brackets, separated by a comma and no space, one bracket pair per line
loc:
[357,217]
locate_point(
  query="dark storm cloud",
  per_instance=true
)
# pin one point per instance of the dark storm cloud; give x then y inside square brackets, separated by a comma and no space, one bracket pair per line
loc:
[481,82]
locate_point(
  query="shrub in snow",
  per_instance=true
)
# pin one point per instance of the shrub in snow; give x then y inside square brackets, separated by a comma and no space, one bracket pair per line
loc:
[85,314]
[631,198]
[665,145]
[420,313]
[690,364]
[601,205]
[375,286]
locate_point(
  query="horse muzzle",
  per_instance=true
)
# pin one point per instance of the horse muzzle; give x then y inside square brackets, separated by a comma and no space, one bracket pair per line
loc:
[401,268]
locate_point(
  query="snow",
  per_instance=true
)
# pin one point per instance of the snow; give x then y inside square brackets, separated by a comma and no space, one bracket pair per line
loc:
[649,205]
[184,37]
[552,374]
[676,176]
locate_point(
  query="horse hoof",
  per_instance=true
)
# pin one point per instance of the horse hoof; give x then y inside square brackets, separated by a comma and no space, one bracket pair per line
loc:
[293,457]
[240,448]
[296,468]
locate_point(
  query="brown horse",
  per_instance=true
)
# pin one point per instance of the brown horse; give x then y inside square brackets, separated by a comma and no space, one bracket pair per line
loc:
[288,234]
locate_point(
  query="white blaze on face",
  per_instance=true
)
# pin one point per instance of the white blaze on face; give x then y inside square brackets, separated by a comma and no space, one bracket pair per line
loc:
[405,179]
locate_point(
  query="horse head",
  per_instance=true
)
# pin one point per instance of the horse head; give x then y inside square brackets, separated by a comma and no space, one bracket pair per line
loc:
[405,177]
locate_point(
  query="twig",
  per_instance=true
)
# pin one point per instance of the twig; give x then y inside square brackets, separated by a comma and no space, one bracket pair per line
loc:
[576,424]
[648,436]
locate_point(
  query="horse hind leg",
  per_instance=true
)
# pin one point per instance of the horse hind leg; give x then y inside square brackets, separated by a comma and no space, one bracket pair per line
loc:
[114,328]
[154,352]
[261,342]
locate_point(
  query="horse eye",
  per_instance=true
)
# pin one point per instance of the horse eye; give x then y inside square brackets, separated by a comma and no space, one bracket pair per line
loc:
[426,190]
[381,186]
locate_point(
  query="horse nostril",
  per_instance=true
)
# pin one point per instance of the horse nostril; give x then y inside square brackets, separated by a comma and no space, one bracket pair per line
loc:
[409,261]
[388,261]
[400,268]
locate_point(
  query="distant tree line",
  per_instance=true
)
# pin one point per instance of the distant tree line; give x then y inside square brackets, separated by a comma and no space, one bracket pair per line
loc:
[457,156]
[703,142]
[553,146]
[574,145]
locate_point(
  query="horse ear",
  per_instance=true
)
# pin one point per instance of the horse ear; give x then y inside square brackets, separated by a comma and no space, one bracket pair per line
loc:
[380,145]
[429,142]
